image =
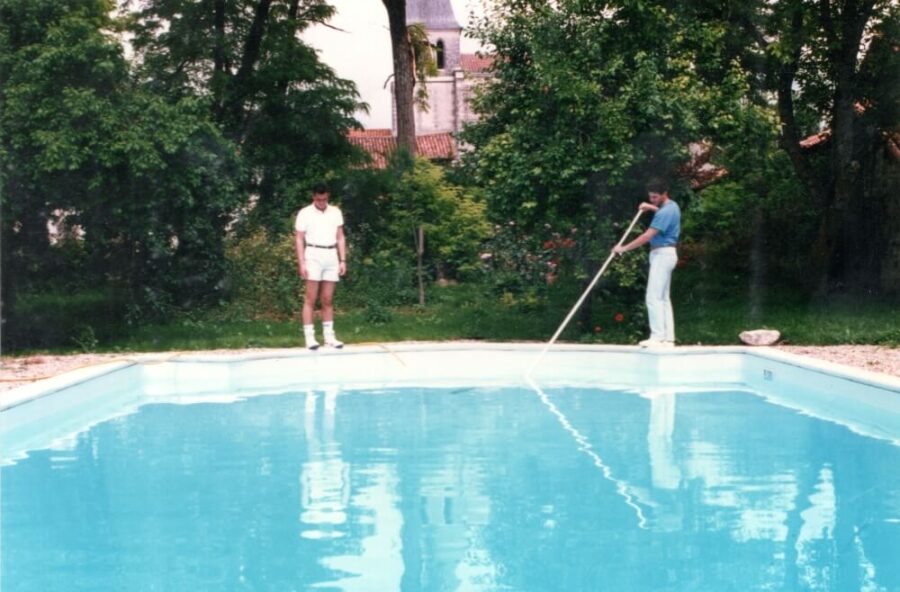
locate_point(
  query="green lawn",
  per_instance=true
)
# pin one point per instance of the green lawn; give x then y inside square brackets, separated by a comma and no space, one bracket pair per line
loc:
[704,315]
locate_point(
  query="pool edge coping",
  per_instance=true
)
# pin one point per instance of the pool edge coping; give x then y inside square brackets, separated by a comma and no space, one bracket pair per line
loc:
[41,388]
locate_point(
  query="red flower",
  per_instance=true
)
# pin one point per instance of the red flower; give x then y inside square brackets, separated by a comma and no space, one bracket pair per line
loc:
[619,317]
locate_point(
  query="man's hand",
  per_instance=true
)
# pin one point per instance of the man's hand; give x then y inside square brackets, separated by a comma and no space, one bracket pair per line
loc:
[619,250]
[647,207]
[303,272]
[342,268]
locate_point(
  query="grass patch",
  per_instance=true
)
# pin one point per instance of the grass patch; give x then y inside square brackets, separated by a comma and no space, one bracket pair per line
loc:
[710,314]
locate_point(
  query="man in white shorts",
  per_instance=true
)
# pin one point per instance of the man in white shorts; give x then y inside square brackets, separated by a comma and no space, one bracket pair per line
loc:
[322,260]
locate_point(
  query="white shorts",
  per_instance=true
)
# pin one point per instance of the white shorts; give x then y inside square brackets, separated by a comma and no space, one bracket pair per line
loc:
[322,264]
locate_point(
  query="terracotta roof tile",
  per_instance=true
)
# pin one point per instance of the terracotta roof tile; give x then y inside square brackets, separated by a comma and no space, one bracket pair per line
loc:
[370,133]
[439,146]
[436,146]
[471,62]
[815,139]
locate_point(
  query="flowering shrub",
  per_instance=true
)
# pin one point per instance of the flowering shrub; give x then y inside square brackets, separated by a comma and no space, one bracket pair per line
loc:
[521,267]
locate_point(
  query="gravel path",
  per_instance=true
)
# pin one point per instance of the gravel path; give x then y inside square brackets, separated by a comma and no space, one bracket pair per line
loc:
[874,358]
[18,371]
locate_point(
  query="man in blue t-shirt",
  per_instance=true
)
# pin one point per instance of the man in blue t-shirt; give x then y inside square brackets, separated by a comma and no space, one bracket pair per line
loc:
[663,238]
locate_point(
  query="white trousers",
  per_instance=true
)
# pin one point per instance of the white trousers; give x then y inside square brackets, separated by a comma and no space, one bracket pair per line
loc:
[659,306]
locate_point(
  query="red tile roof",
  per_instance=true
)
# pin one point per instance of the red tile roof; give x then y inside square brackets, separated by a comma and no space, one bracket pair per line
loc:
[891,140]
[815,139]
[380,145]
[471,62]
[370,133]
[436,146]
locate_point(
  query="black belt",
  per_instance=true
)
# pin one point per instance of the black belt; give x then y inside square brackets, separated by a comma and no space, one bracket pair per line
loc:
[321,246]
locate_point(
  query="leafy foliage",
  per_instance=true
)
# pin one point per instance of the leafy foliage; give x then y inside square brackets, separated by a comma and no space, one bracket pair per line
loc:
[383,209]
[262,276]
[148,182]
[588,99]
[287,112]
[581,110]
[814,65]
[148,162]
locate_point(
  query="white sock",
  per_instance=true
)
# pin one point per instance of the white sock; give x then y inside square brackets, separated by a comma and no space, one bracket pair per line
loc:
[328,332]
[309,333]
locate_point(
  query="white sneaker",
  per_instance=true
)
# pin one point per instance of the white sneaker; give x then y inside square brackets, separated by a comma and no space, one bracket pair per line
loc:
[310,337]
[332,341]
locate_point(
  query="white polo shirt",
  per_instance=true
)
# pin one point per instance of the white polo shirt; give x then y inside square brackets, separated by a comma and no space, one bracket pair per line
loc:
[320,227]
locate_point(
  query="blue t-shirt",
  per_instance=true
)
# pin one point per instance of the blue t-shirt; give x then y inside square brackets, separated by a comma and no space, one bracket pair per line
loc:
[667,222]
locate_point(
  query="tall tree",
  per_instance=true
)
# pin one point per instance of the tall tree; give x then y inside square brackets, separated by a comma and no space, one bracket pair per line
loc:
[809,57]
[585,103]
[404,74]
[148,181]
[585,96]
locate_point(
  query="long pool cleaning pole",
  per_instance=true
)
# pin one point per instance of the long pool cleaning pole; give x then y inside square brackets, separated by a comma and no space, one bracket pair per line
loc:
[583,296]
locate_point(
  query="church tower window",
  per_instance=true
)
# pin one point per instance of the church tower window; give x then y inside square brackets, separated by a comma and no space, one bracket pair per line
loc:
[439,54]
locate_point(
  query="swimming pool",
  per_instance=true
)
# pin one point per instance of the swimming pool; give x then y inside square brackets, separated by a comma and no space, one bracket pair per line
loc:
[438,468]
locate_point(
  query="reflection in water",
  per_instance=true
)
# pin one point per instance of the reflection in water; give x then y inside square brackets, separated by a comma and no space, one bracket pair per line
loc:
[377,560]
[585,446]
[445,532]
[453,515]
[325,481]
[432,489]
[664,472]
[816,536]
[325,478]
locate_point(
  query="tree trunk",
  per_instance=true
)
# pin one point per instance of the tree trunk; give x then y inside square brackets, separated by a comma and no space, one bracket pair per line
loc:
[890,264]
[404,75]
[249,59]
[850,249]
[220,60]
[419,235]
[790,143]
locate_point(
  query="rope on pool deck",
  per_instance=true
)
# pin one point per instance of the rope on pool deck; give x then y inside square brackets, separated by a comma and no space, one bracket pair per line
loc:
[393,353]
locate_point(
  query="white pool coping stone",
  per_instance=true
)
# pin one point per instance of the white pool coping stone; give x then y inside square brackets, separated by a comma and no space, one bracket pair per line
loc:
[867,402]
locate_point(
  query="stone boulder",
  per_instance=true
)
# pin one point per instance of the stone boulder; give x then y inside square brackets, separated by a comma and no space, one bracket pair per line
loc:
[760,337]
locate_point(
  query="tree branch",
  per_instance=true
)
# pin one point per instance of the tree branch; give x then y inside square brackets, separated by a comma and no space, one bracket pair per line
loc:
[790,134]
[249,59]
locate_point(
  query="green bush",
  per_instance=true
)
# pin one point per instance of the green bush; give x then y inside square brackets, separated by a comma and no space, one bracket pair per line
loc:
[382,212]
[262,275]
[54,317]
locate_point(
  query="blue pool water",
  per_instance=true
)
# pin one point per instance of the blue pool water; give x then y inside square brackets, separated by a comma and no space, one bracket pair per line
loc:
[568,489]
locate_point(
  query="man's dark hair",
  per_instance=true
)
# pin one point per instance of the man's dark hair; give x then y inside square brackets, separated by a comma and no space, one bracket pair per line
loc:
[320,188]
[657,185]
